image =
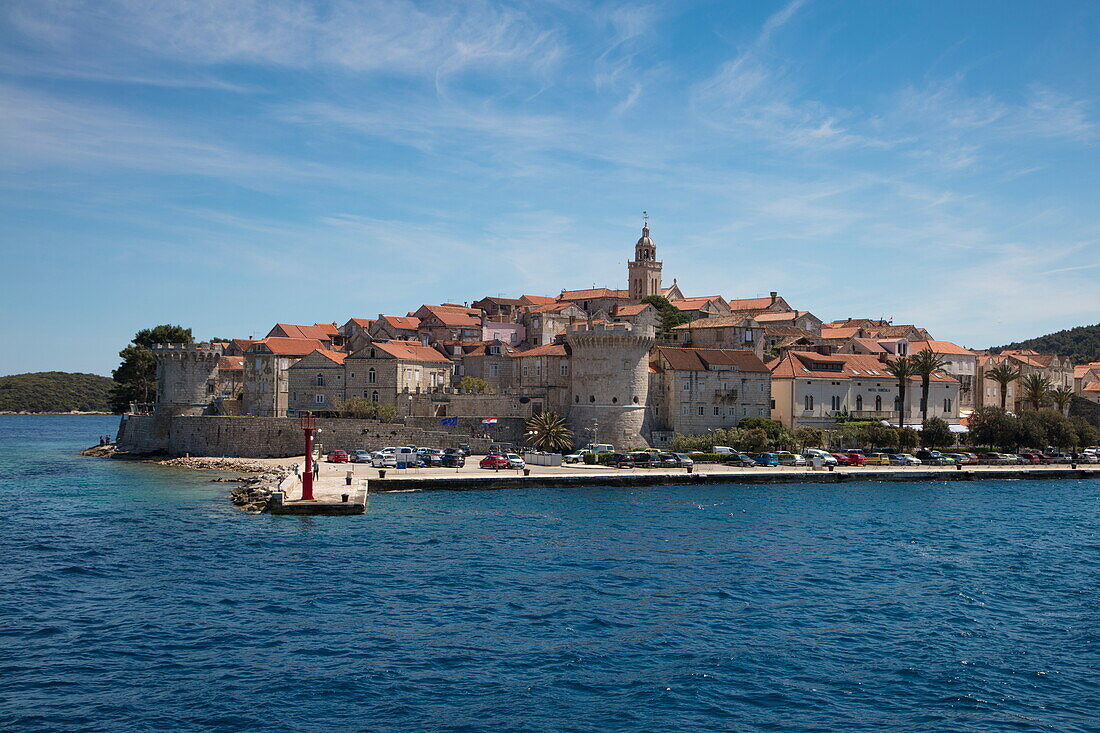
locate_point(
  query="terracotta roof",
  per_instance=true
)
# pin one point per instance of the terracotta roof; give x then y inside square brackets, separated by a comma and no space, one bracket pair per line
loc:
[364,322]
[545,350]
[717,322]
[593,293]
[243,344]
[287,346]
[871,345]
[334,356]
[1081,370]
[229,363]
[502,301]
[1091,387]
[694,304]
[939,347]
[844,332]
[888,332]
[550,307]
[631,310]
[453,315]
[775,329]
[408,350]
[805,365]
[405,323]
[319,331]
[696,360]
[537,299]
[744,304]
[777,316]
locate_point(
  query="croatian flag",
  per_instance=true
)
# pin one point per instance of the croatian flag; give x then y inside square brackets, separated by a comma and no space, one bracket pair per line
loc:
[489,421]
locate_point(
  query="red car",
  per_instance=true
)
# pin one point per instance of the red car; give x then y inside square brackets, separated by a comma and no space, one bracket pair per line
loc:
[338,456]
[856,458]
[1033,457]
[842,459]
[492,461]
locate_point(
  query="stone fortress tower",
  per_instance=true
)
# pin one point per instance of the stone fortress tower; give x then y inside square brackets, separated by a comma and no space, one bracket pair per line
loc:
[610,384]
[644,273]
[187,377]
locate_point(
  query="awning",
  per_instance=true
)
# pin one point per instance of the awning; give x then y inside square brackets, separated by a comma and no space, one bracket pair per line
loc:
[918,426]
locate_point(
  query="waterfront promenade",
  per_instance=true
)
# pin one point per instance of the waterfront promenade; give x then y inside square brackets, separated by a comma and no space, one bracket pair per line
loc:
[332,480]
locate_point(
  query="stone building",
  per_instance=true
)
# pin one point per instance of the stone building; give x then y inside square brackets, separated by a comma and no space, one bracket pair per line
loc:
[542,375]
[610,384]
[385,370]
[187,378]
[1058,369]
[317,383]
[327,333]
[449,322]
[486,360]
[695,390]
[961,363]
[809,389]
[502,310]
[751,306]
[800,319]
[594,300]
[710,306]
[544,322]
[395,328]
[736,332]
[356,333]
[230,384]
[266,378]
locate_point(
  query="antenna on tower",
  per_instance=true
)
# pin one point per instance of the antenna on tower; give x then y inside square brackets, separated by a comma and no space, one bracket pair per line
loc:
[645,218]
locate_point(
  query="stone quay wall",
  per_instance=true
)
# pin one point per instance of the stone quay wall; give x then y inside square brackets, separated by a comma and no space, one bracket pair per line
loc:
[273,437]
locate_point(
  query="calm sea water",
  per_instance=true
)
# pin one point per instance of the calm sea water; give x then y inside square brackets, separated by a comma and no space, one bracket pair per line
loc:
[134,598]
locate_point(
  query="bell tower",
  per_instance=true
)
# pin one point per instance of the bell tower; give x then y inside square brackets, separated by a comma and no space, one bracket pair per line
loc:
[644,272]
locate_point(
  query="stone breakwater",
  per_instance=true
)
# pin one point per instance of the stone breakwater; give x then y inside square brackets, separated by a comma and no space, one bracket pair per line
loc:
[216,464]
[254,493]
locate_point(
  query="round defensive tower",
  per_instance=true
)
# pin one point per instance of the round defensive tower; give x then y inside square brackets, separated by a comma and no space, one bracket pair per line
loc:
[186,377]
[610,384]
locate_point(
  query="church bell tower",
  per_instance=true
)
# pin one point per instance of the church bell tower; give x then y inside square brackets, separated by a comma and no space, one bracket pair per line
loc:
[644,273]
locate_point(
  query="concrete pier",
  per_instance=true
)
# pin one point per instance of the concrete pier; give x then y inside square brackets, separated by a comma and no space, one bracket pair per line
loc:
[332,482]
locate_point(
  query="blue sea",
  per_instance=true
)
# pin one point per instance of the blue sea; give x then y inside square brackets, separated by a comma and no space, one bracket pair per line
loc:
[134,598]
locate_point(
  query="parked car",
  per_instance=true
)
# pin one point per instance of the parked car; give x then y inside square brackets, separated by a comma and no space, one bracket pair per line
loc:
[668,460]
[856,458]
[337,456]
[514,461]
[786,458]
[616,460]
[460,451]
[430,457]
[842,459]
[360,456]
[646,460]
[878,459]
[931,457]
[766,459]
[683,460]
[965,458]
[1058,457]
[1086,457]
[452,460]
[576,456]
[742,460]
[903,459]
[494,461]
[383,460]
[827,459]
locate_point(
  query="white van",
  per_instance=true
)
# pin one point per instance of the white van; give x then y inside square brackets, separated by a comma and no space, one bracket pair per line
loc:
[724,450]
[827,458]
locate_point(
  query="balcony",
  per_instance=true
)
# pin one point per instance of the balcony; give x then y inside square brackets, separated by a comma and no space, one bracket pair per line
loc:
[725,396]
[877,414]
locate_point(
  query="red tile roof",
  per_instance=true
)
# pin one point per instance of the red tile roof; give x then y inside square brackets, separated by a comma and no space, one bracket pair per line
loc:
[404,323]
[319,331]
[408,350]
[333,356]
[744,304]
[939,347]
[592,294]
[695,360]
[230,363]
[537,299]
[778,316]
[364,322]
[714,322]
[453,315]
[631,310]
[694,304]
[804,365]
[287,346]
[545,350]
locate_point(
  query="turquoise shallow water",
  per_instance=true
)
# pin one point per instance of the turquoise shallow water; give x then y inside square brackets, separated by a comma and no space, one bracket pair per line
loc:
[135,598]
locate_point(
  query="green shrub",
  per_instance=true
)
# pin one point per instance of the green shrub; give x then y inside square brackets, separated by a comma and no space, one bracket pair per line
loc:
[590,459]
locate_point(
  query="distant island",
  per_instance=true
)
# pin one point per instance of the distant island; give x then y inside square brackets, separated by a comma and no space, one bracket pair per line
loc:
[1081,344]
[42,392]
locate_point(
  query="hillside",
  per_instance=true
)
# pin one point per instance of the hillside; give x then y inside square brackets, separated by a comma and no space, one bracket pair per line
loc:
[54,392]
[1082,344]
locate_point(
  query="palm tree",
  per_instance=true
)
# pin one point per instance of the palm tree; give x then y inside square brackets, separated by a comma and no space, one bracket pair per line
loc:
[902,369]
[1062,397]
[1002,374]
[548,432]
[926,362]
[1035,387]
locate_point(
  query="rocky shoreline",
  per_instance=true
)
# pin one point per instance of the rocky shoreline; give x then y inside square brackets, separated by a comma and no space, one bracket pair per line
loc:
[254,493]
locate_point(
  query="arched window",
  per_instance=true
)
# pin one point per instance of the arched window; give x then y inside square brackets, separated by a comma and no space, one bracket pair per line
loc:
[372,353]
[374,396]
[591,398]
[372,376]
[319,381]
[878,403]
[859,402]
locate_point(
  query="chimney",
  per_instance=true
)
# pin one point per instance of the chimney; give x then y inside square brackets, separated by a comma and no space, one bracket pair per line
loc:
[774,296]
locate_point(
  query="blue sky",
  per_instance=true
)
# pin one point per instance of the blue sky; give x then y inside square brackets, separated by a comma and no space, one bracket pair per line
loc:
[228,165]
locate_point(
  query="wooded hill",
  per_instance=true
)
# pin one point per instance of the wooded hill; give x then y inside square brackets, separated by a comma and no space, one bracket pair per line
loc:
[55,392]
[1082,344]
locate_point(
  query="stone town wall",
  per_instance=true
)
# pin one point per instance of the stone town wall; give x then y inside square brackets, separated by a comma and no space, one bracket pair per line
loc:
[275,437]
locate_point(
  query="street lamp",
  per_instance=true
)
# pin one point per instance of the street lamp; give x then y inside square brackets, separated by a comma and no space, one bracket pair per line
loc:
[308,422]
